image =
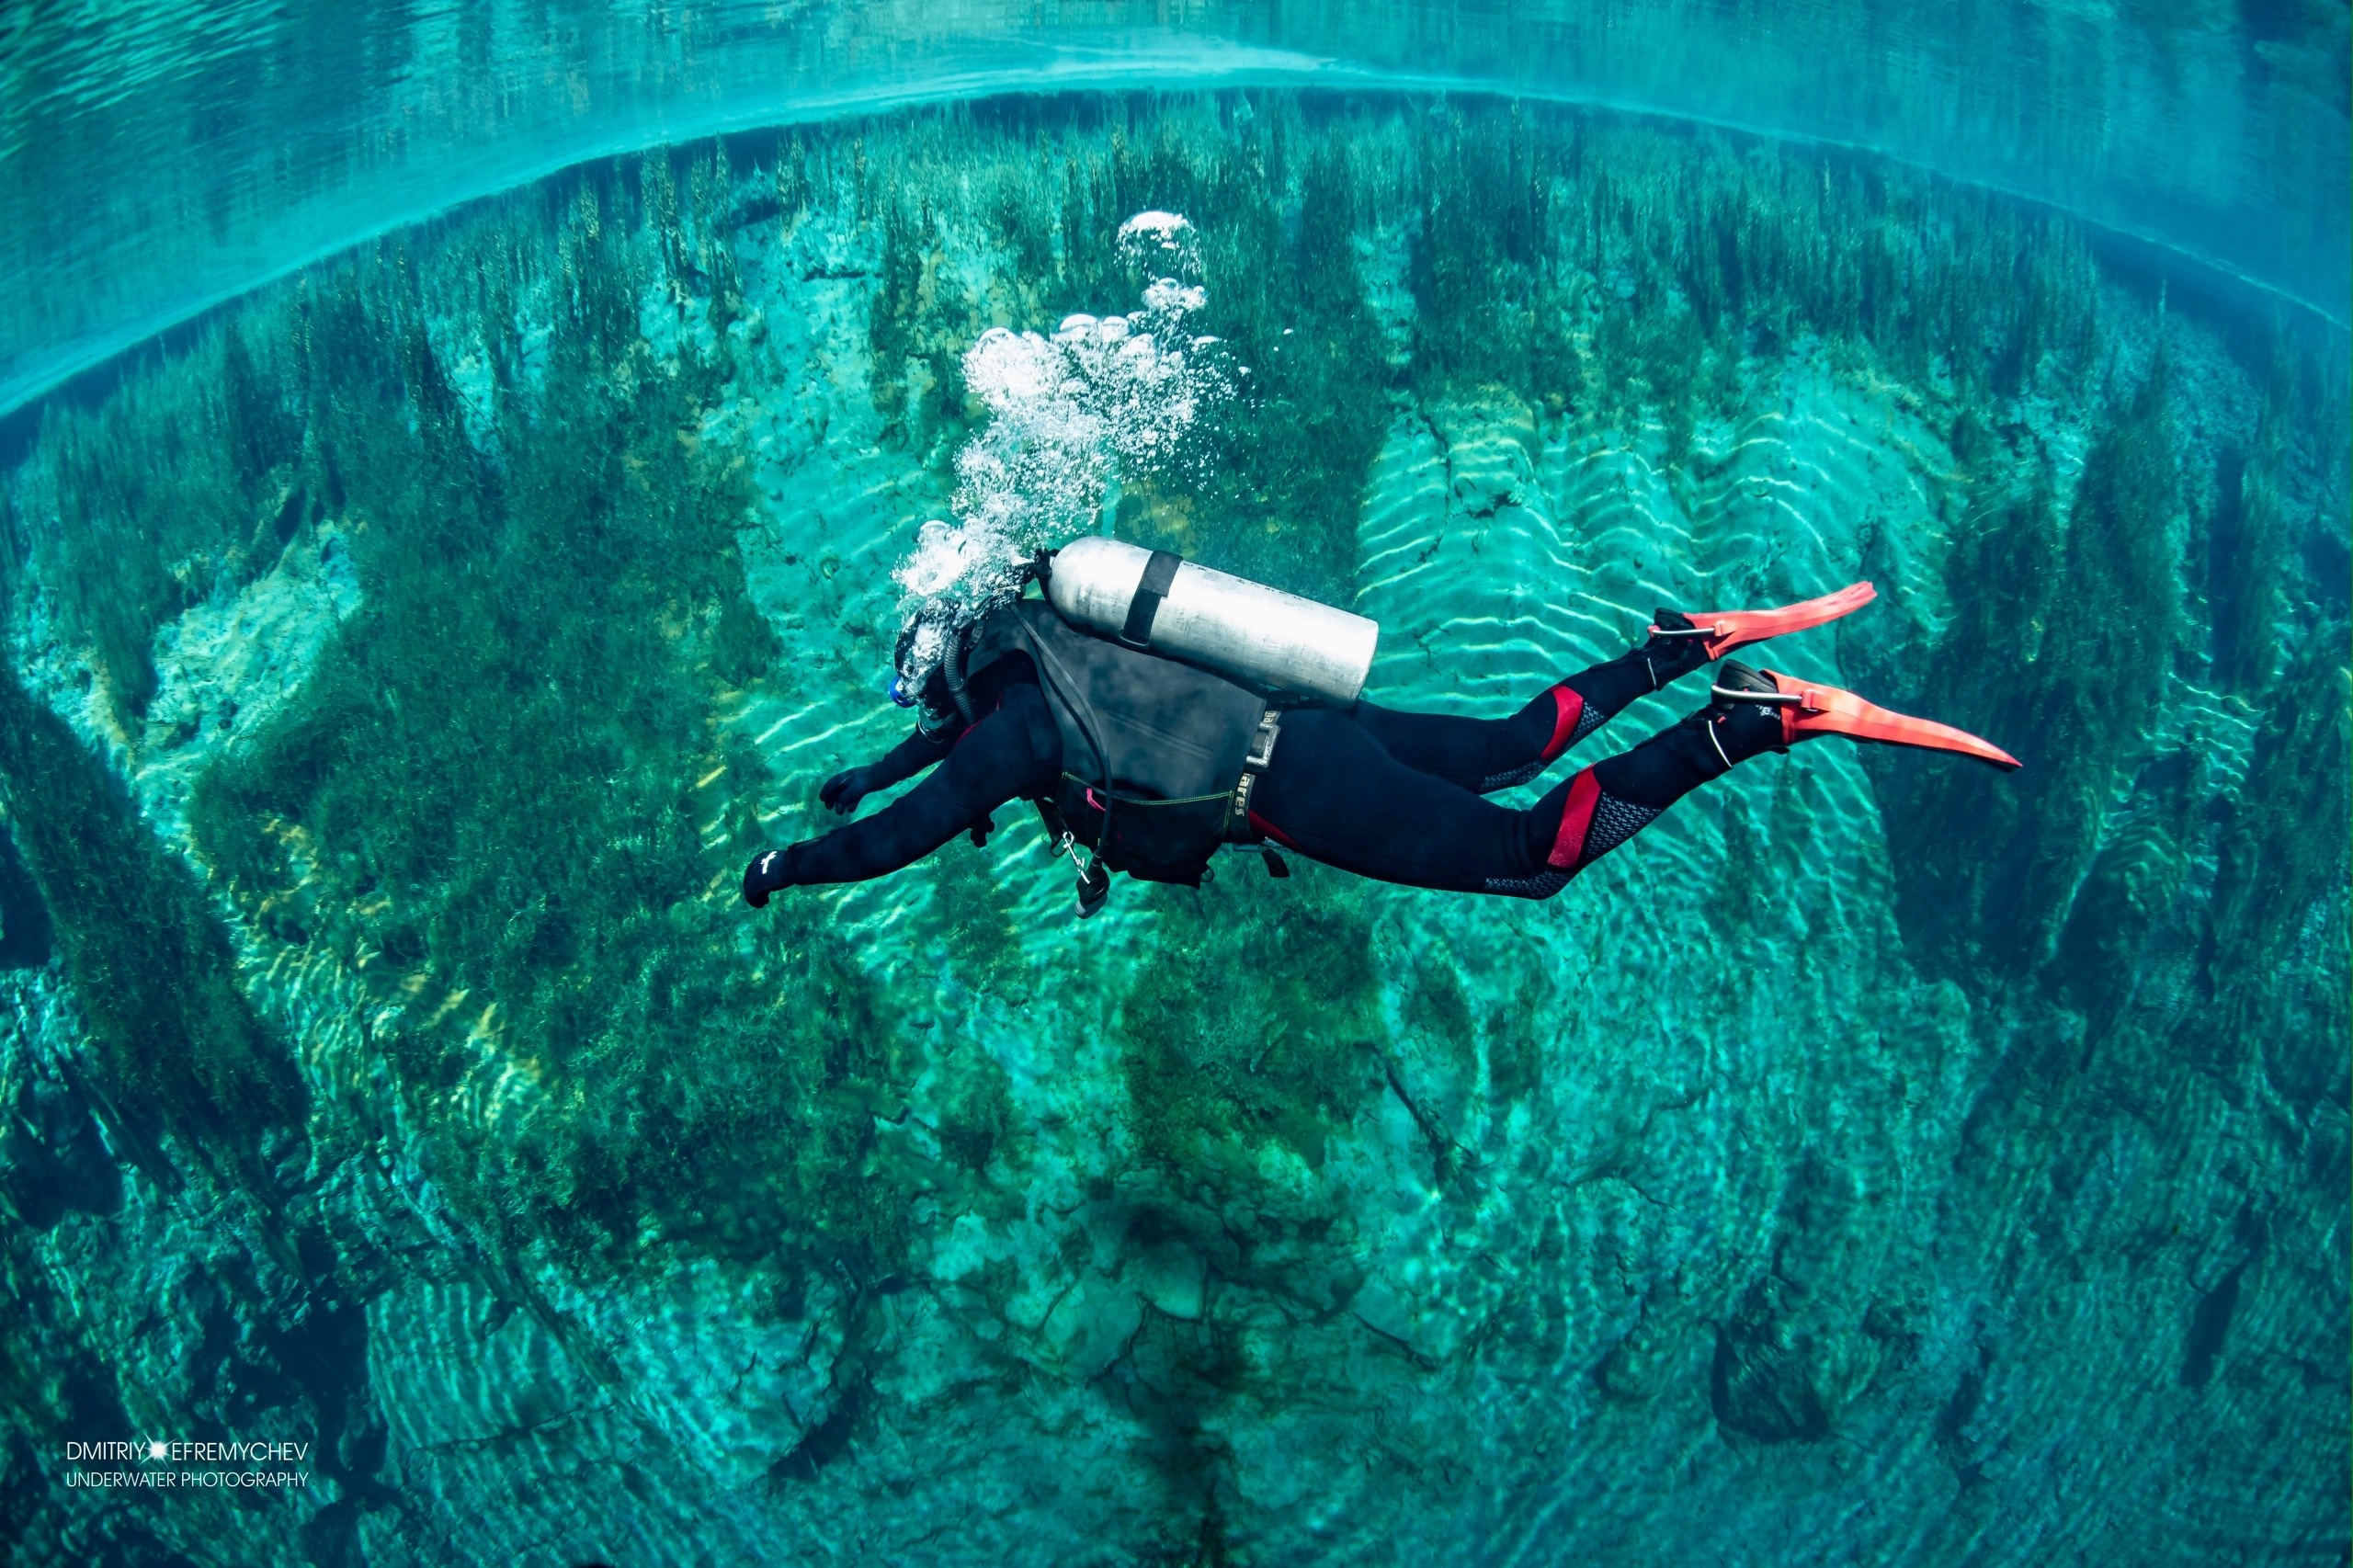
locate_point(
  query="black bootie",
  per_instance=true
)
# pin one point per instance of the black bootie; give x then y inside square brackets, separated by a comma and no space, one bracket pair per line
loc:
[1675,650]
[1738,730]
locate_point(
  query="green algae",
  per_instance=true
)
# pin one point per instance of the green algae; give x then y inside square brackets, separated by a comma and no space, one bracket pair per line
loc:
[2283,861]
[975,920]
[1283,495]
[1618,273]
[921,322]
[978,1119]
[2070,664]
[1253,1023]
[2248,541]
[160,498]
[487,792]
[2128,889]
[175,1046]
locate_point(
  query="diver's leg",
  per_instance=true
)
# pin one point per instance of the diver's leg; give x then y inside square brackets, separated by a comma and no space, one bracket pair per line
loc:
[1751,712]
[1334,792]
[1338,796]
[1487,754]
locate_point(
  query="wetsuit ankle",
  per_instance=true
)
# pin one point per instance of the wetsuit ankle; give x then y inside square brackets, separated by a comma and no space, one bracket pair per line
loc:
[1665,769]
[1573,708]
[1608,689]
[1741,729]
[1613,687]
[1746,730]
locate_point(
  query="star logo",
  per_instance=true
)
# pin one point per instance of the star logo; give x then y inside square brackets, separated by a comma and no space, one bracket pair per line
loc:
[157,1451]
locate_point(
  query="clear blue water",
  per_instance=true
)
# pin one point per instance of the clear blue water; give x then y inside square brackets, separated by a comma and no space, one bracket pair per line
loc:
[1872,1161]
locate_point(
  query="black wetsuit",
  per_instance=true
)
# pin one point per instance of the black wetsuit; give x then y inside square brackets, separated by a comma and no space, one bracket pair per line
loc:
[1385,793]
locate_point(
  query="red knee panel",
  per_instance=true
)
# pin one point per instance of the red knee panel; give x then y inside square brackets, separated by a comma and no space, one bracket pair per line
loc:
[1576,816]
[1567,709]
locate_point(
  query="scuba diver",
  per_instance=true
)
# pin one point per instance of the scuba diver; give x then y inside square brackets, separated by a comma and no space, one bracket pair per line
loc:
[1158,711]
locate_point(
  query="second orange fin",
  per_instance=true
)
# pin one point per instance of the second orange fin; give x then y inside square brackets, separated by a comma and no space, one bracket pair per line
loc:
[1810,707]
[1730,629]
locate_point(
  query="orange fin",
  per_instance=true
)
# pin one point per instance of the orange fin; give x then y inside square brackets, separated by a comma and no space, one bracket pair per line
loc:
[1809,707]
[1730,629]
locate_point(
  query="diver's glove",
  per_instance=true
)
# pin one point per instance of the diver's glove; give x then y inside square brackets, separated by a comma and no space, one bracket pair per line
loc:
[766,874]
[842,792]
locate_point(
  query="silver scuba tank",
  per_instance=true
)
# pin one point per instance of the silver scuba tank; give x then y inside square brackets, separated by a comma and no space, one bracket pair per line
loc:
[1253,635]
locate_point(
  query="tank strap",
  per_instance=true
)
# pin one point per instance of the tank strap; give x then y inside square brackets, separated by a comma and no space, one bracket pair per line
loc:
[1158,574]
[1254,761]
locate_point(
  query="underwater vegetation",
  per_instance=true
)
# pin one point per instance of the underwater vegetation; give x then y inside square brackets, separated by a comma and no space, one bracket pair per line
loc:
[1876,1161]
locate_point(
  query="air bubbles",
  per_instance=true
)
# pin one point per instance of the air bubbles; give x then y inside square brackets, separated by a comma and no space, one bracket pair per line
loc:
[1102,397]
[1155,224]
[1155,244]
[943,555]
[1170,297]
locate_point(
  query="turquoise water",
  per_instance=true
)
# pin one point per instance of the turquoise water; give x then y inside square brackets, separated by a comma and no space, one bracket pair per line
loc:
[1870,1161]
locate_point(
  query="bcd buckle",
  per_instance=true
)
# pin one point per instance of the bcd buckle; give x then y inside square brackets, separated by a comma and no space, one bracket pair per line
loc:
[1254,761]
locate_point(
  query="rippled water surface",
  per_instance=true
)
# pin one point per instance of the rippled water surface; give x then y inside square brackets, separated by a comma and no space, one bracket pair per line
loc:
[156,160]
[1874,1161]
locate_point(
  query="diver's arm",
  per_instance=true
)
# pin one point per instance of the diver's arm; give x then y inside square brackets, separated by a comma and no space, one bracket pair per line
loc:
[844,790]
[1012,753]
